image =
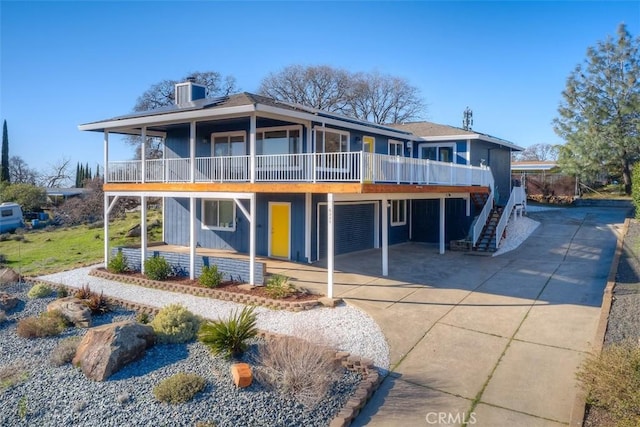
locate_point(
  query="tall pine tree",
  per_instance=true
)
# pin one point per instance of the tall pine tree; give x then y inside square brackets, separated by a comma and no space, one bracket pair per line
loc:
[4,166]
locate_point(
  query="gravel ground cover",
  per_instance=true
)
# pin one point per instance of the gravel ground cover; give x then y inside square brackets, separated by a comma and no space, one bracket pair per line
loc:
[624,316]
[62,396]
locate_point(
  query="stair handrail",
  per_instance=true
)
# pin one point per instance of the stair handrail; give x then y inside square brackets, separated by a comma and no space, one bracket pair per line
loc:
[481,221]
[506,214]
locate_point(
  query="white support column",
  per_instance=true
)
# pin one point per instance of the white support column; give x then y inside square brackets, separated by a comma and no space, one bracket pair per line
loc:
[330,245]
[252,148]
[106,229]
[442,204]
[469,205]
[105,167]
[410,219]
[143,231]
[192,149]
[252,240]
[307,226]
[192,238]
[143,159]
[385,237]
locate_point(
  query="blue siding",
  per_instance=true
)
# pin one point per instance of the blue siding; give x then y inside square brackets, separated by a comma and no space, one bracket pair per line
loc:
[461,149]
[353,228]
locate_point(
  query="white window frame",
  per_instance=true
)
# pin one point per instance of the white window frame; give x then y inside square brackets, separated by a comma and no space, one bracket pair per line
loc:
[218,227]
[398,147]
[279,128]
[438,146]
[228,134]
[322,130]
[395,212]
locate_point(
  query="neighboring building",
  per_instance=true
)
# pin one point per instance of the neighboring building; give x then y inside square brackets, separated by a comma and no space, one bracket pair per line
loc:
[263,177]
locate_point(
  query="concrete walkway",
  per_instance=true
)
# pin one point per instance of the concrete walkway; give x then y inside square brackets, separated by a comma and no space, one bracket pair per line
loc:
[492,341]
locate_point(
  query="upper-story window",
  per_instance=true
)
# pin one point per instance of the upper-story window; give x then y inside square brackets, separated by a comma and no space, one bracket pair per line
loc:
[331,140]
[279,140]
[439,152]
[229,144]
[396,148]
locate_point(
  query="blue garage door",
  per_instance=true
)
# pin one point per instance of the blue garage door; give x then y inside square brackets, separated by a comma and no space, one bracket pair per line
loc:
[353,228]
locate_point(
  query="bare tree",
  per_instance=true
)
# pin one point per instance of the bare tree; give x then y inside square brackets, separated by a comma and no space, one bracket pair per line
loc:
[374,97]
[537,152]
[162,94]
[319,86]
[20,172]
[57,175]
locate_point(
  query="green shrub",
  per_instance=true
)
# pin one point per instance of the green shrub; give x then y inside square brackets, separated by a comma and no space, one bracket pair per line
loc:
[635,187]
[179,388]
[39,290]
[64,351]
[229,336]
[118,264]
[157,268]
[612,382]
[49,323]
[278,286]
[175,324]
[142,318]
[210,277]
[61,292]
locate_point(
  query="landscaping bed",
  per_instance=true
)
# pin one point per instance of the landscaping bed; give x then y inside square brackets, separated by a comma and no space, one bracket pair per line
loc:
[623,325]
[44,394]
[227,291]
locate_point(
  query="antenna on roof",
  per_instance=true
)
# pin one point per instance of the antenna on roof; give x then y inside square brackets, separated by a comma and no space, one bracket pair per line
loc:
[467,119]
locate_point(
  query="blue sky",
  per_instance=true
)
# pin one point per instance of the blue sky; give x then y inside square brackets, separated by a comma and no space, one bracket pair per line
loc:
[67,63]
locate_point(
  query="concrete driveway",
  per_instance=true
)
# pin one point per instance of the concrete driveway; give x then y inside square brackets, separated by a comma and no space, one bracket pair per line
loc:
[490,341]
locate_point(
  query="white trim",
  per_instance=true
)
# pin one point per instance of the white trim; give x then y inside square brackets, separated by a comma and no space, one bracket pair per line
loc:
[395,204]
[288,204]
[485,138]
[308,207]
[396,143]
[204,226]
[385,237]
[228,134]
[330,243]
[324,130]
[468,156]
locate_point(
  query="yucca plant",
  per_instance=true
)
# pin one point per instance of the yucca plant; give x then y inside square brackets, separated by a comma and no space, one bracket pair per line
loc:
[229,336]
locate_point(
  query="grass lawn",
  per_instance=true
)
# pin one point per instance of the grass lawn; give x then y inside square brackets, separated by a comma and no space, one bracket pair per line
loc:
[44,252]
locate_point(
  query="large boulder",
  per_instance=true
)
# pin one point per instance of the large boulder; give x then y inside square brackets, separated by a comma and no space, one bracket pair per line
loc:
[105,349]
[8,276]
[73,309]
[7,301]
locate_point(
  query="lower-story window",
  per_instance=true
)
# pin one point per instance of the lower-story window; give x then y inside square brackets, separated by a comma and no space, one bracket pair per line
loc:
[398,212]
[219,215]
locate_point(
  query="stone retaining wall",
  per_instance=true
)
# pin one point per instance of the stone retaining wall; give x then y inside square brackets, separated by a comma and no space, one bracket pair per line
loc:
[232,268]
[208,292]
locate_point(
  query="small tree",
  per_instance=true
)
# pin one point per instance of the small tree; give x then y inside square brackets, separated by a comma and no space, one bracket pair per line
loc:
[4,166]
[28,196]
[635,188]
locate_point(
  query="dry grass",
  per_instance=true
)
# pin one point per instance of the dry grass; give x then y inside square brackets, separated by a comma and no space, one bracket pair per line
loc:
[65,351]
[12,374]
[612,381]
[48,324]
[298,367]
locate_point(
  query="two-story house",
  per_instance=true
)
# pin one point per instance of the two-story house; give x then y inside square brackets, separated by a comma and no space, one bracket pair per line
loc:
[261,177]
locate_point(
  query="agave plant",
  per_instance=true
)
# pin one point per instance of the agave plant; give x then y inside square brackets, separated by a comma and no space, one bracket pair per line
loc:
[229,336]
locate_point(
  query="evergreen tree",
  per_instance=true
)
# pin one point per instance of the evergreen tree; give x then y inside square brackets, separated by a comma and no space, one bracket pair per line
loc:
[4,166]
[599,117]
[78,175]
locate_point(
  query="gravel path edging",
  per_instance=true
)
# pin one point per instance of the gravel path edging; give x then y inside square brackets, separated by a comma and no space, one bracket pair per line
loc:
[370,382]
[212,293]
[580,403]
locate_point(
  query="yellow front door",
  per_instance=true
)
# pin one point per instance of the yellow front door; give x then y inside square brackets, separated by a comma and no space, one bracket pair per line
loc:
[368,143]
[279,227]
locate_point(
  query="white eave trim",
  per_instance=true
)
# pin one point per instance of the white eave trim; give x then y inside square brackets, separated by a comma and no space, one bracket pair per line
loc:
[472,136]
[167,118]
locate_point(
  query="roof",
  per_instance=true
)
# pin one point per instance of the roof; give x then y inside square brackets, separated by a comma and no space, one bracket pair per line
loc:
[429,131]
[534,165]
[240,103]
[66,192]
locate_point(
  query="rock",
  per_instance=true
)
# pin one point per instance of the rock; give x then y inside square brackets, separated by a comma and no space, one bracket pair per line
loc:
[7,301]
[73,309]
[134,231]
[329,302]
[241,373]
[105,349]
[8,275]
